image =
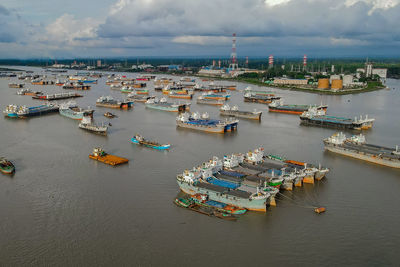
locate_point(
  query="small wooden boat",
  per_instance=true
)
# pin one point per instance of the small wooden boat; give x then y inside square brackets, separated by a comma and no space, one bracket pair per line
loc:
[109,115]
[319,210]
[6,166]
[139,140]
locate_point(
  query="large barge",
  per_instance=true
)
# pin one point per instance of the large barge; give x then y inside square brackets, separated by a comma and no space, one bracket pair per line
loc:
[163,105]
[356,147]
[14,111]
[109,102]
[226,110]
[264,99]
[203,123]
[316,117]
[56,96]
[278,106]
[100,155]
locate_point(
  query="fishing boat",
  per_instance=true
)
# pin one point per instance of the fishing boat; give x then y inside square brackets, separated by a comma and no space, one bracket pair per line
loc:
[71,110]
[140,140]
[234,111]
[87,124]
[6,166]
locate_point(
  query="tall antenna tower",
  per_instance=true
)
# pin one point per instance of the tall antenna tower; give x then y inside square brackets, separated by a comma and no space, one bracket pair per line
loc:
[247,62]
[270,61]
[233,64]
[304,62]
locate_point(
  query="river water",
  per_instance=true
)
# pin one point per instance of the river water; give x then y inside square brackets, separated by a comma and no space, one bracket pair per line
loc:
[62,208]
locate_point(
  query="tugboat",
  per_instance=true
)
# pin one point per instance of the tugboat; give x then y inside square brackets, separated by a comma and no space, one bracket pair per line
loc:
[138,139]
[6,166]
[88,125]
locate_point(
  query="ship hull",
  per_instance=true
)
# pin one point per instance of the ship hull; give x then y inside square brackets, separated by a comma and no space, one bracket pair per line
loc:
[254,204]
[158,147]
[242,114]
[329,123]
[364,157]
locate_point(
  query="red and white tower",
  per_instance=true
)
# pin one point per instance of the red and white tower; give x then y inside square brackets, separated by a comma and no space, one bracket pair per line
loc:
[247,61]
[304,62]
[233,65]
[270,61]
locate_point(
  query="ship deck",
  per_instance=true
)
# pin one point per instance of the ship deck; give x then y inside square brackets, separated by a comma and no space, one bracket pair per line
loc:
[372,149]
[110,159]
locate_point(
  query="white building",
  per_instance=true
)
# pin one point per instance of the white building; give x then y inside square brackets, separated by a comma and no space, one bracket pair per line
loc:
[382,73]
[347,80]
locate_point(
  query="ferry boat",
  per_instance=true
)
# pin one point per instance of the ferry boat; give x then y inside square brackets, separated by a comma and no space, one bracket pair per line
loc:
[56,96]
[6,166]
[88,125]
[163,105]
[356,147]
[317,117]
[264,99]
[278,106]
[140,140]
[234,111]
[109,102]
[15,111]
[71,110]
[203,123]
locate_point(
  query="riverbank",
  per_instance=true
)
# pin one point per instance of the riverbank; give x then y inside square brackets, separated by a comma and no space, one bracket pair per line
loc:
[371,86]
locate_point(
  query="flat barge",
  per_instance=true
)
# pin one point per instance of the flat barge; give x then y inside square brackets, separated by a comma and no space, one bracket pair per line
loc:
[56,96]
[100,155]
[226,110]
[314,117]
[356,147]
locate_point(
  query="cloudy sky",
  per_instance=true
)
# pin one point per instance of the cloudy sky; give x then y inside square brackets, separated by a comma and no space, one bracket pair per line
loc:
[122,28]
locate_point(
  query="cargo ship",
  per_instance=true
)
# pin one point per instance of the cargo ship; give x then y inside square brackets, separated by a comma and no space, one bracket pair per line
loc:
[317,117]
[88,125]
[192,183]
[213,102]
[109,102]
[234,111]
[6,166]
[258,92]
[203,123]
[139,98]
[126,90]
[278,106]
[356,147]
[71,110]
[163,105]
[140,140]
[42,82]
[57,96]
[29,92]
[14,111]
[216,96]
[16,85]
[264,99]
[173,94]
[142,91]
[75,86]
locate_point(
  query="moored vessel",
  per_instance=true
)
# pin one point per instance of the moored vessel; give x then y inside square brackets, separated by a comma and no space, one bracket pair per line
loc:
[206,101]
[356,147]
[162,104]
[140,140]
[100,155]
[56,96]
[203,123]
[71,110]
[88,125]
[15,111]
[264,99]
[109,102]
[278,106]
[234,111]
